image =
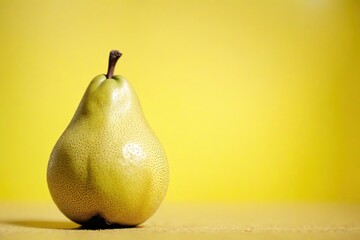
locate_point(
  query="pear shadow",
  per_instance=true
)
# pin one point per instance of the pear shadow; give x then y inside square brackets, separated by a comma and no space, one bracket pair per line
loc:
[63,225]
[97,223]
[106,227]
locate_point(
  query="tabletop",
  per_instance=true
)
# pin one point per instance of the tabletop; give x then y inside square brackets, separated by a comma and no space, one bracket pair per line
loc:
[193,221]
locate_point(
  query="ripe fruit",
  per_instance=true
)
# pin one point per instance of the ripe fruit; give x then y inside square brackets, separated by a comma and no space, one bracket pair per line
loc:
[108,167]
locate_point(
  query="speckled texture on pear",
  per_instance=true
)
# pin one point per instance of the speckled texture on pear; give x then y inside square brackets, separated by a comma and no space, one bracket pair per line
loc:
[108,162]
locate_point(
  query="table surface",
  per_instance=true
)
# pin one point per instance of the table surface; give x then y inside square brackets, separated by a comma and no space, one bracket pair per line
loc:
[193,221]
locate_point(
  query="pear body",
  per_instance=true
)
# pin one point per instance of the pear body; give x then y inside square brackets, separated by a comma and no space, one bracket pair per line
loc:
[108,163]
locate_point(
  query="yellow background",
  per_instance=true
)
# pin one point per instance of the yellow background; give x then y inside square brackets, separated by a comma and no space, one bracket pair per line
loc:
[252,100]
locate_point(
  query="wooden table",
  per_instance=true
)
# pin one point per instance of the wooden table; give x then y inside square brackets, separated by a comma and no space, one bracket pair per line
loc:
[193,221]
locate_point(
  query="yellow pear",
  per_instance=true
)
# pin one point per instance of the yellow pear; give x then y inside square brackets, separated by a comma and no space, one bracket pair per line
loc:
[108,167]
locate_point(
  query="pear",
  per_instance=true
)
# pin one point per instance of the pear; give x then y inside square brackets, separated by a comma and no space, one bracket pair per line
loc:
[108,167]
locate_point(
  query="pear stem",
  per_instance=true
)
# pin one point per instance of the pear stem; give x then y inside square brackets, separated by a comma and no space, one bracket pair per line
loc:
[113,57]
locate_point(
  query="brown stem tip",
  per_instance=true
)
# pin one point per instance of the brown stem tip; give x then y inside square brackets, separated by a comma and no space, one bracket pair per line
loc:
[113,57]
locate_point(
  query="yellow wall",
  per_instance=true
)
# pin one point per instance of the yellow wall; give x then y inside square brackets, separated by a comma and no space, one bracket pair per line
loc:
[252,100]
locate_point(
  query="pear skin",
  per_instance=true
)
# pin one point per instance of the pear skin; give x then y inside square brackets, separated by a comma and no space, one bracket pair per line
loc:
[108,164]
